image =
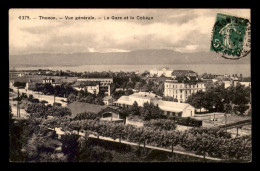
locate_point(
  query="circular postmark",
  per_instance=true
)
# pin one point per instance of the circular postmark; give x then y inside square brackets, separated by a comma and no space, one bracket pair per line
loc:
[231,36]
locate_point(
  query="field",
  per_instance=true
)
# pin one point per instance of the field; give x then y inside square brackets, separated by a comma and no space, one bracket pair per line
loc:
[220,121]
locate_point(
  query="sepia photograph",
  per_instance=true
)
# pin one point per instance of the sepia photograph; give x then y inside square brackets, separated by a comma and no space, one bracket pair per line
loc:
[130,85]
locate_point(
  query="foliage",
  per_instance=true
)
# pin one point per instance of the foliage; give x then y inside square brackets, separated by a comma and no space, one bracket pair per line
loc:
[187,121]
[135,109]
[84,96]
[85,115]
[151,111]
[217,98]
[70,146]
[17,138]
[162,124]
[62,90]
[40,110]
[19,84]
[169,98]
[213,142]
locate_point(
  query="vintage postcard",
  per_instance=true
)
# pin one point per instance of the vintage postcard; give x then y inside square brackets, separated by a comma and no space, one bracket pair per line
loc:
[130,85]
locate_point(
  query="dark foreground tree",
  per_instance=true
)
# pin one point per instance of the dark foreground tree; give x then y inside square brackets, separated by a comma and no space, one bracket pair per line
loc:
[70,146]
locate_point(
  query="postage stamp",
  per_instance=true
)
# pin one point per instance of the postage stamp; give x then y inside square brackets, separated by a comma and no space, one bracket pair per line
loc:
[231,36]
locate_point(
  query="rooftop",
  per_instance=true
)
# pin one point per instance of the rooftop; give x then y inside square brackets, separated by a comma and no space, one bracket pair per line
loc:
[96,78]
[163,105]
[85,83]
[147,95]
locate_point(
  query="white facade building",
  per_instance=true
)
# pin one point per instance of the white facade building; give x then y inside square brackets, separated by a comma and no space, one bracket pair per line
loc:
[91,87]
[104,82]
[169,108]
[181,91]
[159,72]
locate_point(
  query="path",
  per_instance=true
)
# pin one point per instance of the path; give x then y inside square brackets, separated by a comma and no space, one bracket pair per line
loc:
[48,98]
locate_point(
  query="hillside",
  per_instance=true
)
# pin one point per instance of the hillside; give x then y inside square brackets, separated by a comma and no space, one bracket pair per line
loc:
[140,57]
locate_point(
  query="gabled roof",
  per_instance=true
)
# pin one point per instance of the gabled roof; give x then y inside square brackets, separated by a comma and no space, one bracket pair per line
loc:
[147,95]
[163,105]
[124,100]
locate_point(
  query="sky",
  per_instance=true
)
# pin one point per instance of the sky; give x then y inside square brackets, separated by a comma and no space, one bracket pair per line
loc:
[182,30]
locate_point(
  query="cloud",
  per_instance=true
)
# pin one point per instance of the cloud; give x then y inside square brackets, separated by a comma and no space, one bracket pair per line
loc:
[188,48]
[184,30]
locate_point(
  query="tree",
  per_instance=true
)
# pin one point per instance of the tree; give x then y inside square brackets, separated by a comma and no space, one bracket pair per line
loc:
[138,85]
[197,100]
[135,109]
[76,125]
[227,108]
[150,111]
[70,146]
[19,84]
[51,122]
[242,108]
[238,96]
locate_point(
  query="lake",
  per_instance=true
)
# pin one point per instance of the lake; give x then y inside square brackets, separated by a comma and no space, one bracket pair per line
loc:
[199,68]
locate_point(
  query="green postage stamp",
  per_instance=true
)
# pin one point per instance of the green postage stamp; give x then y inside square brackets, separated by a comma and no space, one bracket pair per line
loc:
[231,36]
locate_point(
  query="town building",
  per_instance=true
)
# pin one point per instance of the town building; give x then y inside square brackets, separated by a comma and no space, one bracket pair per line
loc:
[181,91]
[167,72]
[31,84]
[108,100]
[246,84]
[48,81]
[57,82]
[246,81]
[169,108]
[106,84]
[89,86]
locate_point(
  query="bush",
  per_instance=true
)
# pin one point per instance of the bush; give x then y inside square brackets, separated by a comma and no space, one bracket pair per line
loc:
[163,124]
[35,100]
[82,116]
[57,104]
[19,84]
[187,121]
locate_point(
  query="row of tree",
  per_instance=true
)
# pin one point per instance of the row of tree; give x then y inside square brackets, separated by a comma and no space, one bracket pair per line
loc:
[204,141]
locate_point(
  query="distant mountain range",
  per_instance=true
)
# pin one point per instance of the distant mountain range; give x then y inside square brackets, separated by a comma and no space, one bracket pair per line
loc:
[138,57]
